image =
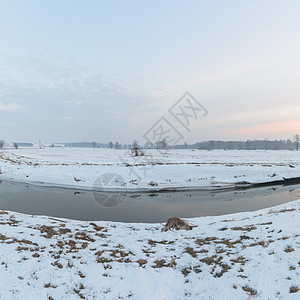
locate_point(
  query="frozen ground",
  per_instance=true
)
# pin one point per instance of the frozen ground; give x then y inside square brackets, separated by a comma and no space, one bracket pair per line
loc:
[174,169]
[241,256]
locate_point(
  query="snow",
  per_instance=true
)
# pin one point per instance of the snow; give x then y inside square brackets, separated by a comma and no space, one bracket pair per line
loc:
[224,257]
[84,168]
[239,256]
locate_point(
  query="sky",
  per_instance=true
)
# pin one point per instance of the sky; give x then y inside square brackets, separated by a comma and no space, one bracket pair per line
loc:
[109,70]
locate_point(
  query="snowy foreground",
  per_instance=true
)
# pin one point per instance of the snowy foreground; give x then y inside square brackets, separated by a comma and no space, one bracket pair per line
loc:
[241,256]
[110,169]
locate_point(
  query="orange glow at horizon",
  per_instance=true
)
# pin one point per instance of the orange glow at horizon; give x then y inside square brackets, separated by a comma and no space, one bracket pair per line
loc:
[268,128]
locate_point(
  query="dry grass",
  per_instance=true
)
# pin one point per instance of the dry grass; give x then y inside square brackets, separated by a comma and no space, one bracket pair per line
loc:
[142,262]
[249,290]
[137,151]
[161,263]
[246,228]
[177,224]
[294,289]
[289,249]
[190,251]
[154,243]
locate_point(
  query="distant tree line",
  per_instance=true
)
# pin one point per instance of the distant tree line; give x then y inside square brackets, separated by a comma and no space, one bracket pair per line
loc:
[86,145]
[244,145]
[2,144]
[15,145]
[204,145]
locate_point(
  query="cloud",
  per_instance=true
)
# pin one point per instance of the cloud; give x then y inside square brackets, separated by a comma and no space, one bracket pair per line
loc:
[66,118]
[10,107]
[215,74]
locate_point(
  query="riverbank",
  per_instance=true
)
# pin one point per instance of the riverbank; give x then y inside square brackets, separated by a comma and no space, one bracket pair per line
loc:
[227,257]
[111,169]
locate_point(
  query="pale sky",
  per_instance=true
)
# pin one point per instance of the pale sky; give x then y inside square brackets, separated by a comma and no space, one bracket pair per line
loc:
[108,70]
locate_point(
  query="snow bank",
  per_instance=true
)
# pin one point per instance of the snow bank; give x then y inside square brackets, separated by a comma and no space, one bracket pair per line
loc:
[240,256]
[110,169]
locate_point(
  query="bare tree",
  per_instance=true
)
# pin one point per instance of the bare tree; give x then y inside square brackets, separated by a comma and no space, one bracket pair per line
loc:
[266,144]
[135,144]
[211,145]
[136,150]
[297,139]
[161,144]
[94,144]
[2,144]
[15,145]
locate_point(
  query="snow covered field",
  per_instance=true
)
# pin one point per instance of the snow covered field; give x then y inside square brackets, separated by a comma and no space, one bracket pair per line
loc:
[239,256]
[242,256]
[110,169]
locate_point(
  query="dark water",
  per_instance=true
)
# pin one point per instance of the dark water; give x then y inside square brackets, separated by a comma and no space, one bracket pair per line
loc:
[145,207]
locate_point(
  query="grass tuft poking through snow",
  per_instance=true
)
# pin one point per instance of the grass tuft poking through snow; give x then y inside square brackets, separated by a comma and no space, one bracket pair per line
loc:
[177,224]
[240,256]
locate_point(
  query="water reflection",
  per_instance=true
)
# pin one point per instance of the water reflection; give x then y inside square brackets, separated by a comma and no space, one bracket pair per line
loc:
[145,207]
